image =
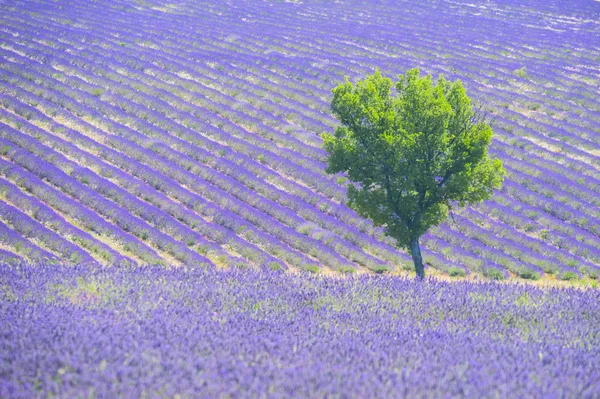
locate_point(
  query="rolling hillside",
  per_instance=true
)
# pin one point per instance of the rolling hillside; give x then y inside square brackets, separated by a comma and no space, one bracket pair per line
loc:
[139,132]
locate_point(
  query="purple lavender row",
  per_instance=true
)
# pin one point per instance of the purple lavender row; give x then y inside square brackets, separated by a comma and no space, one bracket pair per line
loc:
[291,64]
[570,183]
[277,107]
[78,212]
[221,104]
[239,132]
[148,100]
[47,217]
[10,258]
[225,221]
[566,94]
[288,202]
[574,155]
[180,46]
[572,252]
[507,76]
[551,238]
[588,182]
[211,21]
[456,49]
[140,190]
[575,167]
[550,185]
[547,220]
[87,196]
[163,123]
[207,95]
[555,208]
[586,137]
[250,206]
[552,189]
[456,259]
[126,220]
[157,218]
[31,229]
[284,233]
[565,147]
[436,253]
[269,158]
[492,255]
[559,133]
[499,236]
[251,116]
[185,61]
[234,170]
[242,45]
[23,248]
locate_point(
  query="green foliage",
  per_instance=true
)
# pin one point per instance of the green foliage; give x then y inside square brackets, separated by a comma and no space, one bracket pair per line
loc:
[275,266]
[346,269]
[412,155]
[528,274]
[494,274]
[202,249]
[313,269]
[341,180]
[406,266]
[521,72]
[456,272]
[568,276]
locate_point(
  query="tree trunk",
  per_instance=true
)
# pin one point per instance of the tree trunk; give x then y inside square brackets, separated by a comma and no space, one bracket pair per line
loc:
[415,251]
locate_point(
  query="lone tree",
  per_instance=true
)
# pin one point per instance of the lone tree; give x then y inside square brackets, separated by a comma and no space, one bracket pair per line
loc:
[411,154]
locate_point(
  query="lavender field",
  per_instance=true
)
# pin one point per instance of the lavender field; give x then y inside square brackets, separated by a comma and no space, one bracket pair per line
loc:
[167,227]
[188,133]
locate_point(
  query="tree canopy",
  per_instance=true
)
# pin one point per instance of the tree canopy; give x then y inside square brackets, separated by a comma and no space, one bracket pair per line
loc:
[412,151]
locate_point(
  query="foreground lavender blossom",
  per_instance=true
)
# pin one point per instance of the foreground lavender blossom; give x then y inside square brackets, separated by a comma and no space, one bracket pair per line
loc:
[84,332]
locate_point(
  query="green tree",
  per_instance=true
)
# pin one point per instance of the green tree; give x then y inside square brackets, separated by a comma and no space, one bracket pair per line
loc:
[411,154]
